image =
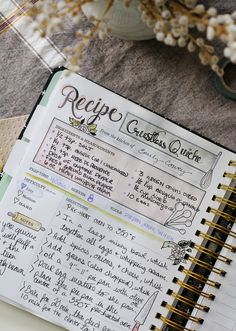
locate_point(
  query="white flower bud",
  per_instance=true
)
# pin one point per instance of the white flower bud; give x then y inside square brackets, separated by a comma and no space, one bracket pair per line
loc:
[234,15]
[233,45]
[228,19]
[233,58]
[200,42]
[160,36]
[213,21]
[191,47]
[160,3]
[203,59]
[212,11]
[232,30]
[181,42]
[183,20]
[200,9]
[210,33]
[166,14]
[227,52]
[214,59]
[214,67]
[169,40]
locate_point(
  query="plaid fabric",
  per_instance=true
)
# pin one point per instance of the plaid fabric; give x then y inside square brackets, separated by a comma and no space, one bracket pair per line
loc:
[7,22]
[14,16]
[26,59]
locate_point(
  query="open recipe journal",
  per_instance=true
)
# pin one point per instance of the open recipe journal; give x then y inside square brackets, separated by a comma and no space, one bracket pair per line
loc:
[113,218]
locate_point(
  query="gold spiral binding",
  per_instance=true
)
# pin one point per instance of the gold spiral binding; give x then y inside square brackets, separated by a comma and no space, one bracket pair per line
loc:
[215,240]
[193,289]
[205,265]
[222,214]
[229,175]
[224,201]
[199,277]
[209,252]
[230,189]
[182,313]
[168,322]
[219,227]
[187,301]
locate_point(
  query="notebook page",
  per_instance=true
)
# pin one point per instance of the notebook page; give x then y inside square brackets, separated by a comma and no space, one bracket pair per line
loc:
[102,209]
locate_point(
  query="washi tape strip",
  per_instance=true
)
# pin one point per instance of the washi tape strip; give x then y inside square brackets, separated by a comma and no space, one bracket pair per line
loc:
[26,221]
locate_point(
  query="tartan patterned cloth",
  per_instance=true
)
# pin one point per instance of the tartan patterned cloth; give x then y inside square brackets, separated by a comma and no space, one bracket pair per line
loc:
[13,17]
[26,60]
[168,80]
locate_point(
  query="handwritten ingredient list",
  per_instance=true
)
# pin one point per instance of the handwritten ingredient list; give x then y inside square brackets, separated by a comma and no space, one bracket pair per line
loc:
[102,168]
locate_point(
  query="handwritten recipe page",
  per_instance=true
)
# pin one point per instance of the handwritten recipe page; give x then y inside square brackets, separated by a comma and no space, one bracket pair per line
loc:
[101,210]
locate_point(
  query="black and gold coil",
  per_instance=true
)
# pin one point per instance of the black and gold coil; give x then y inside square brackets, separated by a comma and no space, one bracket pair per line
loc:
[203,263]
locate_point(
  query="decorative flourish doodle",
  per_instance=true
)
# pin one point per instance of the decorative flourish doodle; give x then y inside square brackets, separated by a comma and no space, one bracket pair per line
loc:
[91,128]
[144,311]
[178,250]
[179,217]
[205,182]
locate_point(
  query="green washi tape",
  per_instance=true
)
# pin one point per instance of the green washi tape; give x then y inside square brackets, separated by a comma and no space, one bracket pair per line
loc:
[221,85]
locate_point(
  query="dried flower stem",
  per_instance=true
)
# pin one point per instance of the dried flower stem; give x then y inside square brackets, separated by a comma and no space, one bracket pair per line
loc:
[183,23]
